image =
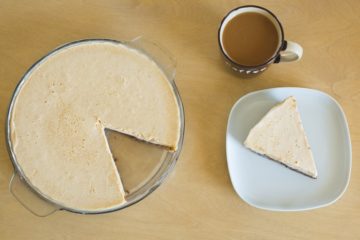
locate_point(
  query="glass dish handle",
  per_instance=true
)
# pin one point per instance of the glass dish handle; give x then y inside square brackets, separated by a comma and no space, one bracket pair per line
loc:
[157,53]
[28,198]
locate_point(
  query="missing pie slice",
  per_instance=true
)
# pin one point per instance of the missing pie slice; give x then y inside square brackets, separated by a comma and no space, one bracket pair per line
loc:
[280,136]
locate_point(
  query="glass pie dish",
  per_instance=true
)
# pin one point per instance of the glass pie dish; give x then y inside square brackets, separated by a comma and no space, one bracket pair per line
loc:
[146,165]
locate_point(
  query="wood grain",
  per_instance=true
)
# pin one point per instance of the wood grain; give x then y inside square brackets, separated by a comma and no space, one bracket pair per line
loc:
[197,200]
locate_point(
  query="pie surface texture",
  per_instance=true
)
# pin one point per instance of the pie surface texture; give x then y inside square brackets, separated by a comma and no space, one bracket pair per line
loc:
[280,136]
[60,115]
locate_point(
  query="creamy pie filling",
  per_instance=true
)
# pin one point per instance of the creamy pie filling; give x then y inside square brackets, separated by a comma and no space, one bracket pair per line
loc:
[60,114]
[280,136]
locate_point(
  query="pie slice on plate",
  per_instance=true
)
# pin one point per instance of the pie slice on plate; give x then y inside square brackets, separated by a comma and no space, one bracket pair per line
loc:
[280,136]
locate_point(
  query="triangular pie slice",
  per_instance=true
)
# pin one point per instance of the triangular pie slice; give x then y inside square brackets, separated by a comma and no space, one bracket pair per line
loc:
[280,136]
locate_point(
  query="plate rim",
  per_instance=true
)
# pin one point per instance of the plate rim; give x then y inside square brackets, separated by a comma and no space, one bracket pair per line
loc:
[348,138]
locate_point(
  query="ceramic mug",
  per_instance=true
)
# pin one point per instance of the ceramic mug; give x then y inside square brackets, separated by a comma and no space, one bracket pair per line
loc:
[286,51]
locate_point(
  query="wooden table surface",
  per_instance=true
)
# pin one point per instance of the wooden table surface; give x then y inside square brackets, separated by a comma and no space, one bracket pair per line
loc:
[197,200]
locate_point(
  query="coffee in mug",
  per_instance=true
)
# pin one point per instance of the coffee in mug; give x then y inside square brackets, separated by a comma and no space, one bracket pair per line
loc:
[251,38]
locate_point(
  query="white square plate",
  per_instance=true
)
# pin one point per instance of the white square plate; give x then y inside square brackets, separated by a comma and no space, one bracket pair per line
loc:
[269,185]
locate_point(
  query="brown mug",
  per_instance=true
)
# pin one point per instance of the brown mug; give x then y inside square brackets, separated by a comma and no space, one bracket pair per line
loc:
[286,51]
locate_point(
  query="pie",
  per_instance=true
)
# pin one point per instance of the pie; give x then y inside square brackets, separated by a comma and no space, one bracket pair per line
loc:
[280,136]
[60,114]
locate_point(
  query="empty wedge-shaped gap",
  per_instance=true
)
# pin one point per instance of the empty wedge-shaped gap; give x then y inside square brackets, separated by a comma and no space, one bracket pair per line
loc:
[136,160]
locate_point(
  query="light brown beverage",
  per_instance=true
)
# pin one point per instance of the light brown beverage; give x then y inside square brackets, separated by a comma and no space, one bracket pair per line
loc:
[250,39]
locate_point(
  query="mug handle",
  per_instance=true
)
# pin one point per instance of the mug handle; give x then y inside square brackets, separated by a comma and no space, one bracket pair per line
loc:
[292,51]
